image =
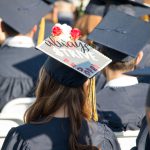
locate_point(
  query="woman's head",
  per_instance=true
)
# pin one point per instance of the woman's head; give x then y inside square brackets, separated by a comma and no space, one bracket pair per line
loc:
[51,96]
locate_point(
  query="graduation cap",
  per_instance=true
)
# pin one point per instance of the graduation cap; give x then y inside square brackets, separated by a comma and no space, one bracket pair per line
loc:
[140,2]
[50,1]
[22,15]
[71,62]
[140,8]
[121,35]
[134,8]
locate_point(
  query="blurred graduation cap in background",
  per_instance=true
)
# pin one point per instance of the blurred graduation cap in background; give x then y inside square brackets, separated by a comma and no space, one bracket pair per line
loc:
[140,8]
[22,15]
[132,7]
[50,1]
[121,36]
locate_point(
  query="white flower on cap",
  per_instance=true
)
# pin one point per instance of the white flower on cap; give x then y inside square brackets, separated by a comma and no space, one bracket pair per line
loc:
[65,32]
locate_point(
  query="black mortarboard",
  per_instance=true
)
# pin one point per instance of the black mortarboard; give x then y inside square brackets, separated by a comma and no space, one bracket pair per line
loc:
[22,15]
[140,8]
[133,8]
[122,35]
[50,1]
[70,62]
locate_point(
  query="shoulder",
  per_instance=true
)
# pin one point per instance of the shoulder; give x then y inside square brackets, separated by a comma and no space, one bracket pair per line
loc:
[121,90]
[23,131]
[100,134]
[21,137]
[15,140]
[27,131]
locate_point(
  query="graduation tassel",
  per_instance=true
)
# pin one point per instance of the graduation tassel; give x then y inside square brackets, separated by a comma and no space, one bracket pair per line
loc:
[146,18]
[92,98]
[41,31]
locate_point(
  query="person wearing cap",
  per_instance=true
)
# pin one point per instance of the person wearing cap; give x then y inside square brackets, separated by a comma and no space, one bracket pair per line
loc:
[143,138]
[61,117]
[18,69]
[139,9]
[121,102]
[65,10]
[97,9]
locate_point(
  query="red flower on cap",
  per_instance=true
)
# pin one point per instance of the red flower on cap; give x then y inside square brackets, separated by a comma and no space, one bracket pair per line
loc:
[75,34]
[56,31]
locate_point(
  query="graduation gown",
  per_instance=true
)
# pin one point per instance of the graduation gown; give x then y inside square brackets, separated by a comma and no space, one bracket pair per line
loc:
[143,139]
[54,135]
[19,68]
[122,108]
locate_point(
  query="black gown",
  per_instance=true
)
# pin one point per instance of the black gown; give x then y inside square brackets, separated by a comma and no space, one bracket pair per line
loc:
[143,139]
[54,135]
[19,68]
[122,108]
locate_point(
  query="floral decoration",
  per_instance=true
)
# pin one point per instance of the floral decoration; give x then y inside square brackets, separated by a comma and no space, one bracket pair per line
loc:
[65,32]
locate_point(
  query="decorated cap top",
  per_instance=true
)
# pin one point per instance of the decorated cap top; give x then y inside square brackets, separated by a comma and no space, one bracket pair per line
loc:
[71,60]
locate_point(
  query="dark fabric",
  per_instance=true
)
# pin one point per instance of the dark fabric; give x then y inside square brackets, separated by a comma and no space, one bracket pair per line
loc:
[143,140]
[97,7]
[131,34]
[23,15]
[64,74]
[100,81]
[19,68]
[122,108]
[54,135]
[66,20]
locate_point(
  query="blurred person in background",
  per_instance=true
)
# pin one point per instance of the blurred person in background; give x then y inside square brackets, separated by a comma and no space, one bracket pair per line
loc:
[65,11]
[97,9]
[92,16]
[18,68]
[121,103]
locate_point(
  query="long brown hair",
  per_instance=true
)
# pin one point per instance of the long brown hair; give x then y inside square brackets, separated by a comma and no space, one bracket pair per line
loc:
[50,96]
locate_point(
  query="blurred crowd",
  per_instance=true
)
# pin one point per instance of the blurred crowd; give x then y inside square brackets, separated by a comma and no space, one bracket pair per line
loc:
[122,98]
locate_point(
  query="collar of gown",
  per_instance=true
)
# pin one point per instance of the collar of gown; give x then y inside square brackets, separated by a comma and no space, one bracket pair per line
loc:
[122,82]
[19,41]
